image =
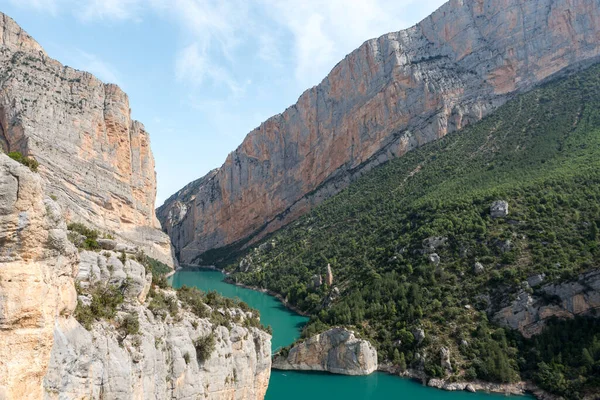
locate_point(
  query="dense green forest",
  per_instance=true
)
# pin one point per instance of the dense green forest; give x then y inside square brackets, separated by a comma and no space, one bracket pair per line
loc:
[541,153]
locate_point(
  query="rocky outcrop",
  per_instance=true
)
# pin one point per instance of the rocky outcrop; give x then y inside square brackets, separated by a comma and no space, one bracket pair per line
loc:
[499,209]
[329,276]
[37,264]
[389,96]
[337,351]
[529,312]
[160,361]
[95,159]
[46,353]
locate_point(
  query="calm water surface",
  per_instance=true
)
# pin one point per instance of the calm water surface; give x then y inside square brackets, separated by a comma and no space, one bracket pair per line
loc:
[287,385]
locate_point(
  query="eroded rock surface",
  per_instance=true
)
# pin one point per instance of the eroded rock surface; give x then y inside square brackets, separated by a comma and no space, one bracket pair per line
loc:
[389,96]
[95,159]
[337,351]
[46,353]
[160,361]
[37,264]
[529,312]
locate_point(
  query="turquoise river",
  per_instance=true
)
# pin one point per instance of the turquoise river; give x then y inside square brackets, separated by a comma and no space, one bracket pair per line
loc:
[286,385]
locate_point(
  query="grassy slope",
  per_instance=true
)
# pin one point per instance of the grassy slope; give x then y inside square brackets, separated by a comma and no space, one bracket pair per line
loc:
[540,152]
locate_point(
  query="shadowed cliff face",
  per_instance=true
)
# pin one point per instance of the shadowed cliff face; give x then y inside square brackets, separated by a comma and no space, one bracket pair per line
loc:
[389,96]
[96,160]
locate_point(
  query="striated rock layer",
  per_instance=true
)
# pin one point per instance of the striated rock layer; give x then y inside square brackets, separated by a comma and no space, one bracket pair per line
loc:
[529,313]
[336,350]
[96,160]
[37,264]
[389,96]
[45,353]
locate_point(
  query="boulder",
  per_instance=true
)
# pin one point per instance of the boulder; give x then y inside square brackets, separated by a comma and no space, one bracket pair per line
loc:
[430,245]
[445,359]
[337,351]
[107,244]
[419,335]
[329,276]
[478,268]
[536,280]
[499,209]
[317,281]
[126,248]
[434,258]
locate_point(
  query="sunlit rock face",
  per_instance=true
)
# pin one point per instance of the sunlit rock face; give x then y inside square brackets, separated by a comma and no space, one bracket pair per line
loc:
[45,353]
[530,313]
[95,159]
[337,351]
[387,97]
[37,264]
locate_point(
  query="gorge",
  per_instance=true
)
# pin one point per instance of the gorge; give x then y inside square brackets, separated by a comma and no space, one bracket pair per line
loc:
[428,211]
[388,97]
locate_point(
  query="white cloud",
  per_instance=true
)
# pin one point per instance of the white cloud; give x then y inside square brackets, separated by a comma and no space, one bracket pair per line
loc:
[109,9]
[325,31]
[50,6]
[215,32]
[103,70]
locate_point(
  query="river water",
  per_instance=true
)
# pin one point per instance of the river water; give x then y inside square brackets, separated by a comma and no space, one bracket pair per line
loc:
[288,385]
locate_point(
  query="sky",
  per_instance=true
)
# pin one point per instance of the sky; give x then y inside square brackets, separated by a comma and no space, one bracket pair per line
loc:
[201,74]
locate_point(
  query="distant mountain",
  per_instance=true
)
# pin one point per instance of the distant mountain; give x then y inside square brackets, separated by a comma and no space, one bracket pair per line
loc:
[388,97]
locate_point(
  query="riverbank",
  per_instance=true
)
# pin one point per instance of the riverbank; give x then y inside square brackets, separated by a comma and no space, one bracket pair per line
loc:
[514,389]
[229,280]
[286,332]
[270,293]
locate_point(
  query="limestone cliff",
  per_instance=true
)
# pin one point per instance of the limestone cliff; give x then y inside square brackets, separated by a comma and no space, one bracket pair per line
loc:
[96,160]
[529,312]
[160,361]
[336,350]
[389,96]
[88,324]
[37,264]
[46,353]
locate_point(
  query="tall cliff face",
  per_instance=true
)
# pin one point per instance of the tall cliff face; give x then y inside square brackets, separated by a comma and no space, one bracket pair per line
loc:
[96,160]
[45,353]
[37,265]
[388,97]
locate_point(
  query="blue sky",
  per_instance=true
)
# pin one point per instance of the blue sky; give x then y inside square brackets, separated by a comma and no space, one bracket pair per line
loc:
[201,74]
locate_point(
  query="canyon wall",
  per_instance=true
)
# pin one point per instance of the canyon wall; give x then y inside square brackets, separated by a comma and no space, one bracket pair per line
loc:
[91,324]
[389,96]
[37,265]
[95,159]
[46,353]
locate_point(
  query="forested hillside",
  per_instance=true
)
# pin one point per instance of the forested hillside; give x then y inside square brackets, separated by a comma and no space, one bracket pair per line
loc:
[412,244]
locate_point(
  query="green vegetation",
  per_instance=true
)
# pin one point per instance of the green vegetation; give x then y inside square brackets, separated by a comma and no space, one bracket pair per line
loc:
[162,304]
[541,153]
[565,358]
[104,303]
[83,237]
[158,269]
[205,345]
[130,325]
[26,161]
